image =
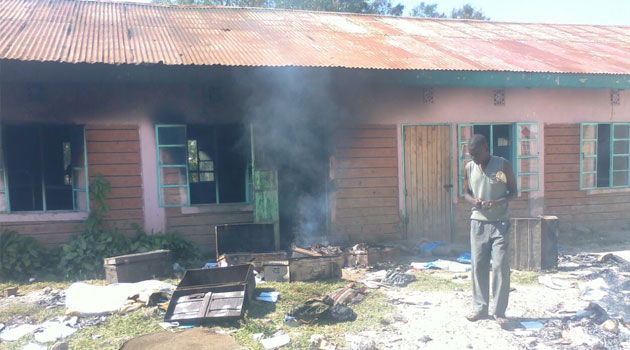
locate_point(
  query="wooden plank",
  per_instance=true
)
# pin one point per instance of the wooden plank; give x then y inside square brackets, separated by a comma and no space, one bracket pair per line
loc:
[125,203]
[372,142]
[562,159]
[117,214]
[564,194]
[365,152]
[591,208]
[366,202]
[210,219]
[115,170]
[111,135]
[375,219]
[380,192]
[561,125]
[368,126]
[364,133]
[590,200]
[113,158]
[562,168]
[360,212]
[565,131]
[367,172]
[113,147]
[562,140]
[561,186]
[372,228]
[127,181]
[367,182]
[563,149]
[562,177]
[354,163]
[112,127]
[129,192]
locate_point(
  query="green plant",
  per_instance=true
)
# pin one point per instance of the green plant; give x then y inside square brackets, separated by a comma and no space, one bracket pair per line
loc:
[83,255]
[20,256]
[182,250]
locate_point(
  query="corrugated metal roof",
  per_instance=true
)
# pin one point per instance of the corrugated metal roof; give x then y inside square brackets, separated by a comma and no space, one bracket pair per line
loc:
[130,33]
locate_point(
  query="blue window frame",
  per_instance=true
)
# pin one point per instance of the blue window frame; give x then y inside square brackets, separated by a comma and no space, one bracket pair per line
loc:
[604,155]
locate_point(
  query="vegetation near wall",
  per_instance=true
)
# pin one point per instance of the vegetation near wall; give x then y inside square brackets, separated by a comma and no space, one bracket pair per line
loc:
[21,257]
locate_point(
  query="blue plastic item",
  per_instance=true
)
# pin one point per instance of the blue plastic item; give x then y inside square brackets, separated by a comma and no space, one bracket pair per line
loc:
[429,247]
[464,258]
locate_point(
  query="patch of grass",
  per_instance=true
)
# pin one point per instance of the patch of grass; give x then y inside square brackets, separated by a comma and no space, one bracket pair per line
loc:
[25,287]
[524,277]
[111,334]
[268,318]
[261,317]
[29,313]
[427,282]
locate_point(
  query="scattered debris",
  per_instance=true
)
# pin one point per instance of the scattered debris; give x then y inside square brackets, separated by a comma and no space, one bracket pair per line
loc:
[319,342]
[350,294]
[312,310]
[17,332]
[278,340]
[34,346]
[465,258]
[54,330]
[10,291]
[358,342]
[270,297]
[441,264]
[532,325]
[87,299]
[257,336]
[341,313]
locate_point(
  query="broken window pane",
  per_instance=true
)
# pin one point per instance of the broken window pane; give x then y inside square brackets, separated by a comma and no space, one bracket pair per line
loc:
[589,164]
[528,182]
[588,180]
[207,176]
[174,196]
[528,165]
[589,147]
[206,165]
[589,131]
[194,176]
[528,148]
[173,176]
[528,131]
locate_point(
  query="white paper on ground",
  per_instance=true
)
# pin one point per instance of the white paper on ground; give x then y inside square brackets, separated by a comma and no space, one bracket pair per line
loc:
[275,342]
[52,331]
[15,333]
[87,299]
[446,265]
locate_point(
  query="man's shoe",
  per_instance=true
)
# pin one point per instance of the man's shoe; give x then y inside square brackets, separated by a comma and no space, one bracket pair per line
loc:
[502,321]
[476,316]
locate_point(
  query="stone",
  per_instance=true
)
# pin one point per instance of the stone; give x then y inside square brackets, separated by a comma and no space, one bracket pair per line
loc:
[60,346]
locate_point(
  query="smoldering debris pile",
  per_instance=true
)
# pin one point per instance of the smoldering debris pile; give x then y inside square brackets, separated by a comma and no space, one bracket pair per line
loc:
[603,282]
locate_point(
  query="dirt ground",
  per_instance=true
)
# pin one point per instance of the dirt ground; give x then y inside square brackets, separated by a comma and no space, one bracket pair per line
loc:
[430,313]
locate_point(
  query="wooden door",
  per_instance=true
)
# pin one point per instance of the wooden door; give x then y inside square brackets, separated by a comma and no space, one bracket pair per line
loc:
[428,185]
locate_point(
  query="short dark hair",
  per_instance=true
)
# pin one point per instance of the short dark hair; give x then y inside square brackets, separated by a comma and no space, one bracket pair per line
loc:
[477,140]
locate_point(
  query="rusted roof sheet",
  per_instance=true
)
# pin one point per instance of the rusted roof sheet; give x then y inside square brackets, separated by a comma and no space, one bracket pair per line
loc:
[131,33]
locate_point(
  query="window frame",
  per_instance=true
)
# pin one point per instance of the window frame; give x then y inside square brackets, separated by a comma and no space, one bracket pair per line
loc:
[515,152]
[248,168]
[75,188]
[612,156]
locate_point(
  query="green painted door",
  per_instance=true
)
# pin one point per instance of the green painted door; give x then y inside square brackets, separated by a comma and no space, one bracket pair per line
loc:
[265,188]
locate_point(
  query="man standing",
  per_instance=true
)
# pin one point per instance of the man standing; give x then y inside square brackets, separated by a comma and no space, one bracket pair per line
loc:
[489,185]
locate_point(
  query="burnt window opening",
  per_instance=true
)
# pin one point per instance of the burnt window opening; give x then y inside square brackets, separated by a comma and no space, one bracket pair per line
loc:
[500,140]
[44,167]
[201,164]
